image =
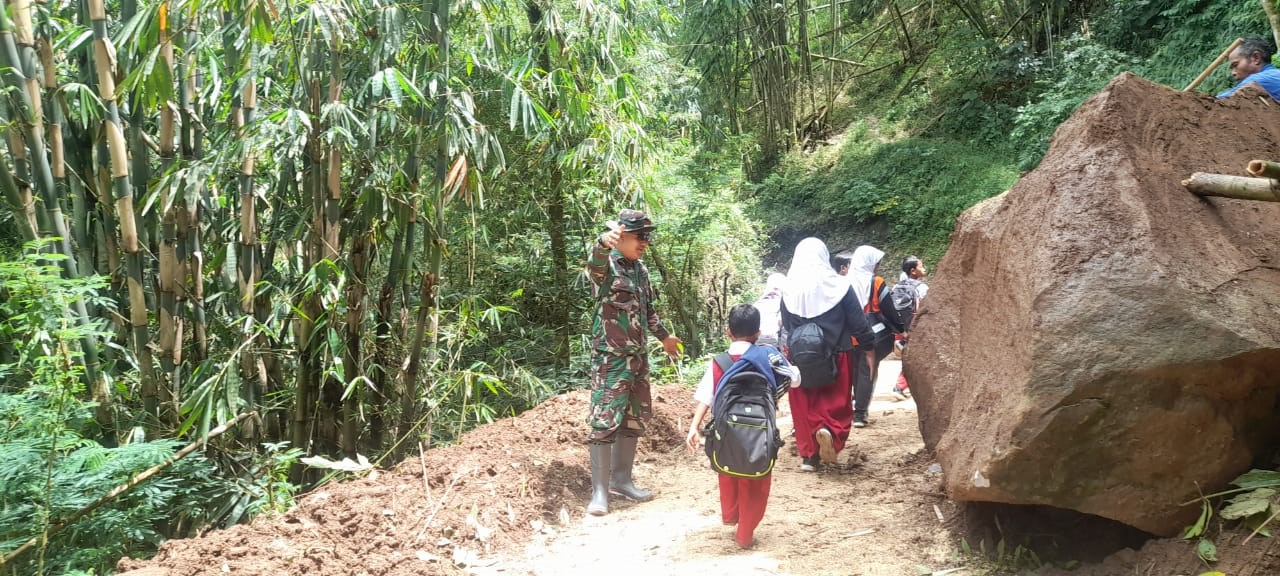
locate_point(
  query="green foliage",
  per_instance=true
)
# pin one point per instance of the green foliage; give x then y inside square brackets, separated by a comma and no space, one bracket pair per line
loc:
[1002,559]
[1177,38]
[50,465]
[1255,503]
[904,194]
[982,105]
[1084,68]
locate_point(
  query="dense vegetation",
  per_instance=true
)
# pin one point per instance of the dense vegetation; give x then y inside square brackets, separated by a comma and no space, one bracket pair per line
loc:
[949,101]
[363,222]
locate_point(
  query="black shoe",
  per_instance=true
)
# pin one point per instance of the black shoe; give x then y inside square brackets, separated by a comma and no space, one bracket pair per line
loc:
[860,421]
[809,464]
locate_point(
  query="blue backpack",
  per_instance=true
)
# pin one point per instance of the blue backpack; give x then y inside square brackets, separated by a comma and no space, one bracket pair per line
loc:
[742,437]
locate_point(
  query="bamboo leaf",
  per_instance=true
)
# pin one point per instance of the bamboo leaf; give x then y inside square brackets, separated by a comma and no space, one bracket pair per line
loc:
[397,94]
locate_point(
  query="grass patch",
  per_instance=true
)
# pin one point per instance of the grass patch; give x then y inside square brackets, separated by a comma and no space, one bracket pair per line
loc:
[902,195]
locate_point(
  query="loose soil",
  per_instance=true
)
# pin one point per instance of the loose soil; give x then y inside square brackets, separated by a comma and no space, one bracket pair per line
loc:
[510,499]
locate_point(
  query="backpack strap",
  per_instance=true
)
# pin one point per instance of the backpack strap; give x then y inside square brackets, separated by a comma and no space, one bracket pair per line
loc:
[877,292]
[723,361]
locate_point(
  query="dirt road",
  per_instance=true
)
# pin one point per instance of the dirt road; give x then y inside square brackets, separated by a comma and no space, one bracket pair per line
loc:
[874,512]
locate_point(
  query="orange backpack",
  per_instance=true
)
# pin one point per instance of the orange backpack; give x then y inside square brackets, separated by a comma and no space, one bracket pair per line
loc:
[873,303]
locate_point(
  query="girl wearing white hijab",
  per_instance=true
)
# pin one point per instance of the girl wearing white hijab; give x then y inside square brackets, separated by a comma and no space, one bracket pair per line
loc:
[862,277]
[862,271]
[769,305]
[813,292]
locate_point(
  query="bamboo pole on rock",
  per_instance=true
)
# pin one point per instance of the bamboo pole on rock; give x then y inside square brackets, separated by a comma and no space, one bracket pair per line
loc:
[1214,65]
[1264,169]
[1238,187]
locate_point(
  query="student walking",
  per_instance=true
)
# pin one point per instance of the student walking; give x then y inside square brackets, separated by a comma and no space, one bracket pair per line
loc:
[744,496]
[907,294]
[876,299]
[770,306]
[820,314]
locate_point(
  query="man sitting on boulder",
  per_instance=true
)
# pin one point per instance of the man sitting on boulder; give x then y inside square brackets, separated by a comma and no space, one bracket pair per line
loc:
[1251,64]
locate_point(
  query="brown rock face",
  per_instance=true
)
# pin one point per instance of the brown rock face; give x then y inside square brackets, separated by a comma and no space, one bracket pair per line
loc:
[1099,339]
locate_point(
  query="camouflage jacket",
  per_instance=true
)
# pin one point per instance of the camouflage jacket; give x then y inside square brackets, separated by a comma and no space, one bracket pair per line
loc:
[624,303]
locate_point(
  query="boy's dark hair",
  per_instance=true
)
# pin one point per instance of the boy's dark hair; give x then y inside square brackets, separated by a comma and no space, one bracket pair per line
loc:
[744,320]
[842,259]
[910,264]
[1259,44]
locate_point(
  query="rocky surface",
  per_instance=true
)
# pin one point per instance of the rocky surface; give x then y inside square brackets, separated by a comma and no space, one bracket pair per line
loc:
[1097,338]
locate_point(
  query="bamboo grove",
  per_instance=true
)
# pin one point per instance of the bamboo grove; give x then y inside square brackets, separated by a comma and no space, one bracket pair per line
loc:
[279,191]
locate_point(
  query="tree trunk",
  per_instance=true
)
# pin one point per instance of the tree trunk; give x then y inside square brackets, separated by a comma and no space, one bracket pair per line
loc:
[16,202]
[802,43]
[170,276]
[243,107]
[361,254]
[309,360]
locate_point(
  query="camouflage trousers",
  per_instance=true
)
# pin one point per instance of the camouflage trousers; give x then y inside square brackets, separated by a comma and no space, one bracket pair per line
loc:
[620,401]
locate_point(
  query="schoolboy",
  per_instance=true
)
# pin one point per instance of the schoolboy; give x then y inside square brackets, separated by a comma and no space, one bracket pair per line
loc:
[742,500]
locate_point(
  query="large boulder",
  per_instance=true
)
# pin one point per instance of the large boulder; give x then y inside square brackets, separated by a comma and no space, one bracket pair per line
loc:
[1099,339]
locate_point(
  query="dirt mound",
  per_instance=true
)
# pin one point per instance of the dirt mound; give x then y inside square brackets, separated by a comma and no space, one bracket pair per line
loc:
[1098,339]
[501,483]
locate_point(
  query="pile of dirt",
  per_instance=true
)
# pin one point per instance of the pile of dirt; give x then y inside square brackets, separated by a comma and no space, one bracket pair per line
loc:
[499,484]
[1098,338]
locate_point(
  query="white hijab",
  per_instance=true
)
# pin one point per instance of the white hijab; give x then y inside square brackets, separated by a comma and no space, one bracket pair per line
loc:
[767,304]
[862,271]
[773,286]
[812,286]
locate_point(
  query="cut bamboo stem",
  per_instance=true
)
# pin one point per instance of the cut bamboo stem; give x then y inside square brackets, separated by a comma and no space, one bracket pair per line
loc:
[1238,187]
[127,486]
[1216,62]
[1264,169]
[1269,6]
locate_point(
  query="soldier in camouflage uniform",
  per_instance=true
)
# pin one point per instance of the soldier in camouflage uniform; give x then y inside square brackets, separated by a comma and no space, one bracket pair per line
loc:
[620,401]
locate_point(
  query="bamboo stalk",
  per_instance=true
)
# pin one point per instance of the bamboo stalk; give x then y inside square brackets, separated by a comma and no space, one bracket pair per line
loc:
[123,488]
[353,365]
[105,63]
[17,42]
[1214,65]
[1269,6]
[11,193]
[170,278]
[1264,169]
[1238,187]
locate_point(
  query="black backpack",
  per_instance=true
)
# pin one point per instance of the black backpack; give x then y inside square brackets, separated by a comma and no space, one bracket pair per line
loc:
[809,351]
[742,437]
[906,297]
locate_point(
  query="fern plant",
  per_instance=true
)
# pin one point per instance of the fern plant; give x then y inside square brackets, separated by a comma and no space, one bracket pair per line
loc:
[51,465]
